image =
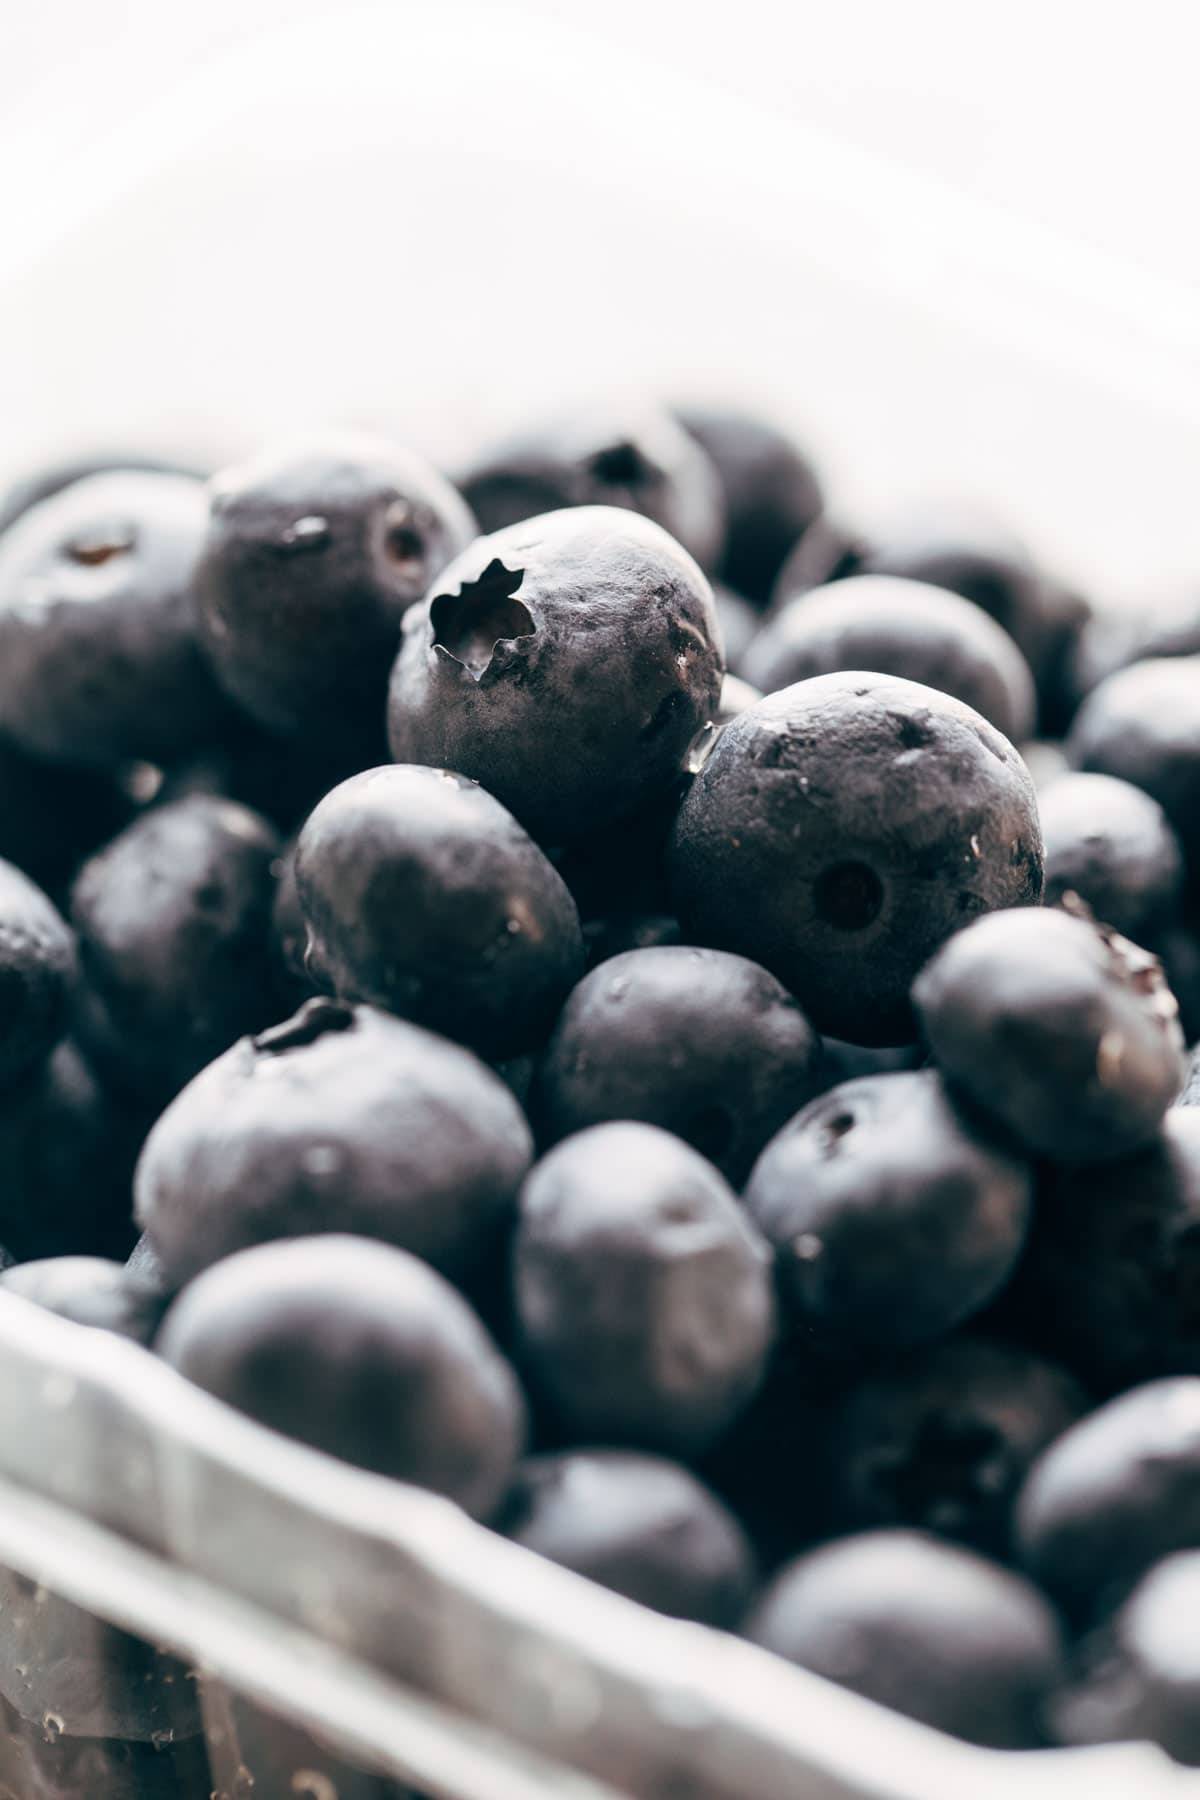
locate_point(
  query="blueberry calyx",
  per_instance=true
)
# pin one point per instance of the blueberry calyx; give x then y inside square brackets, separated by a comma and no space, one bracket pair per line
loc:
[469,625]
[316,1017]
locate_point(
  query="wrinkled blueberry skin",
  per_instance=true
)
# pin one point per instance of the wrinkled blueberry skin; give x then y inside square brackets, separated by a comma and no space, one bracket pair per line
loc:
[361,1351]
[1110,1281]
[1113,1495]
[1143,726]
[90,1290]
[342,1119]
[567,663]
[969,553]
[99,657]
[640,1525]
[840,830]
[37,970]
[315,550]
[899,627]
[643,1295]
[1110,843]
[1057,1029]
[67,1153]
[772,494]
[891,1218]
[1139,1678]
[942,1440]
[53,477]
[424,896]
[173,920]
[926,1628]
[639,460]
[704,1044]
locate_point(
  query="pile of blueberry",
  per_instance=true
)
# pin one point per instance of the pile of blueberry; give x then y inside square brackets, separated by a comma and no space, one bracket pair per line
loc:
[599,991]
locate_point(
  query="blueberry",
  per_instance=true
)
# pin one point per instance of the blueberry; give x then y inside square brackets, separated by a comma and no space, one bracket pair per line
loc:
[315,549]
[566,663]
[643,1295]
[361,1351]
[892,1219]
[43,483]
[841,829]
[737,696]
[173,919]
[1110,844]
[343,1119]
[637,458]
[926,1628]
[37,970]
[67,1153]
[1110,1281]
[1141,1675]
[846,1062]
[772,494]
[423,895]
[904,628]
[1057,1028]
[943,1440]
[1143,726]
[283,778]
[99,657]
[90,1290]
[640,1525]
[1113,1495]
[707,1045]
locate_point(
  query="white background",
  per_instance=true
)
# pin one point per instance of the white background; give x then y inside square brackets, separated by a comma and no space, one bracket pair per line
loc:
[957,244]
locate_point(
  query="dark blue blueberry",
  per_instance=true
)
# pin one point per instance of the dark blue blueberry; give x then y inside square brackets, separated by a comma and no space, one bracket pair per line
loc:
[892,1219]
[37,972]
[99,656]
[898,627]
[942,1440]
[926,1628]
[643,1294]
[423,895]
[1110,1282]
[841,829]
[567,663]
[636,458]
[772,494]
[342,1119]
[640,1525]
[361,1351]
[173,920]
[1143,726]
[704,1044]
[1110,844]
[315,549]
[1113,1495]
[1057,1029]
[90,1290]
